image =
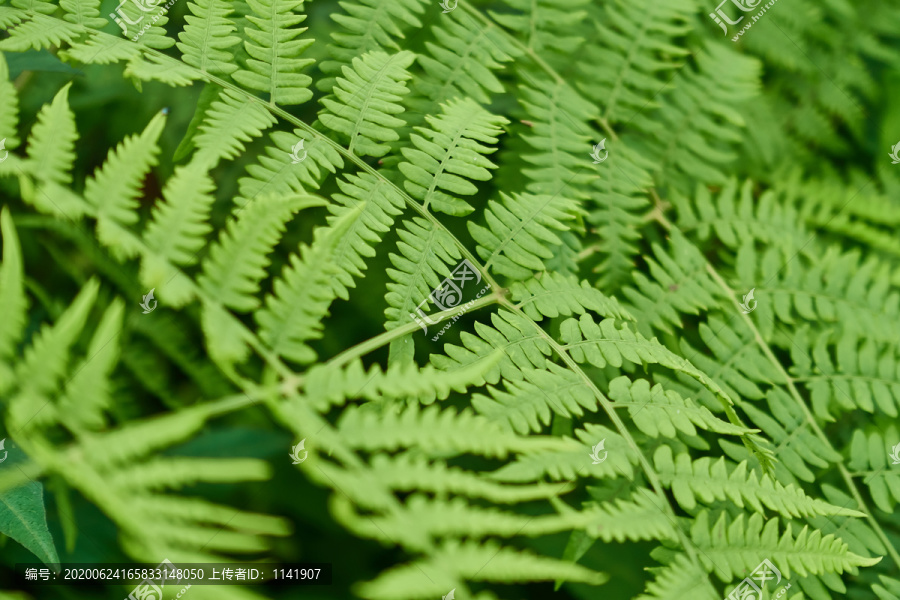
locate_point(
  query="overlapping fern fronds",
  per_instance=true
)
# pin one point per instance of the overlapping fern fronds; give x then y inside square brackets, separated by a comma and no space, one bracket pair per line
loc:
[613,385]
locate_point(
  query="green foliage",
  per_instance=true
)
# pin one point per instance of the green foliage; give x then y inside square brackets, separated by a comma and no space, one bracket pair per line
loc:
[614,384]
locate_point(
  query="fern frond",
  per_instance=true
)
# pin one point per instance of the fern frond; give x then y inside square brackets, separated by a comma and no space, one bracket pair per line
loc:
[274,66]
[736,216]
[572,459]
[325,385]
[449,153]
[705,98]
[177,232]
[300,298]
[83,12]
[382,203]
[604,343]
[527,405]
[740,545]
[114,189]
[9,110]
[680,580]
[39,31]
[369,25]
[102,49]
[511,332]
[39,6]
[678,283]
[87,393]
[461,63]
[869,453]
[557,140]
[659,412]
[437,519]
[425,251]
[553,295]
[230,121]
[151,66]
[279,174]
[831,289]
[864,374]
[365,100]
[545,23]
[236,263]
[638,518]
[51,145]
[473,561]
[738,365]
[144,28]
[717,481]
[13,302]
[520,229]
[786,425]
[434,432]
[636,45]
[45,361]
[206,37]
[406,473]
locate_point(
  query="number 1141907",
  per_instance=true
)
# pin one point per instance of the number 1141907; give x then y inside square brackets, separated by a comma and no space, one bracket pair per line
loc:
[296,573]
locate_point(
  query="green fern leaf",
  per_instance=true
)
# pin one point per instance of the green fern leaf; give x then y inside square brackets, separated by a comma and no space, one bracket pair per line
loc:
[381,204]
[368,25]
[273,66]
[51,146]
[572,459]
[177,232]
[299,303]
[87,393]
[743,543]
[869,454]
[471,560]
[45,361]
[237,262]
[659,412]
[450,152]
[425,251]
[13,302]
[38,31]
[679,581]
[231,121]
[206,37]
[114,189]
[365,100]
[83,12]
[553,295]
[527,405]
[520,229]
[711,481]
